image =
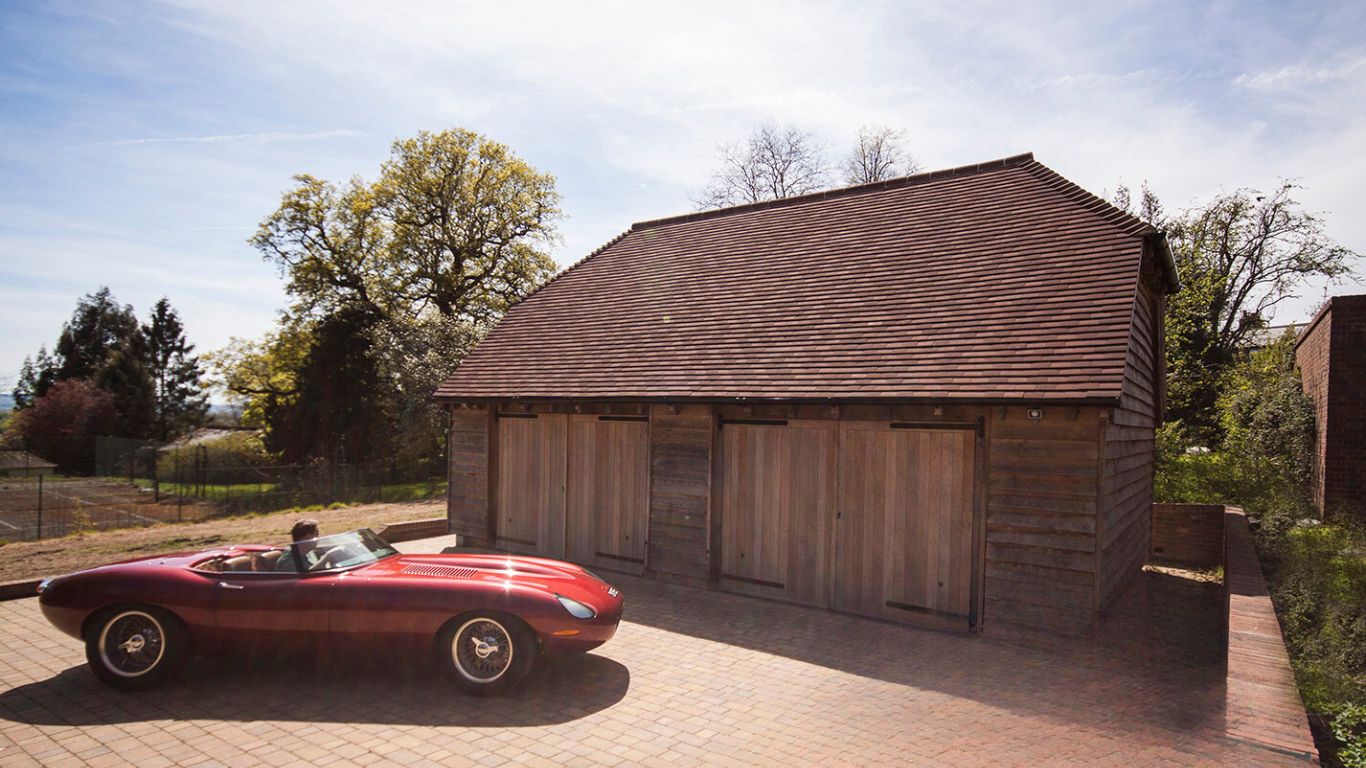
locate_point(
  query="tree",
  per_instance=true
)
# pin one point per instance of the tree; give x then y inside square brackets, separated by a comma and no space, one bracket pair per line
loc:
[1239,257]
[1269,421]
[179,400]
[97,327]
[36,377]
[62,424]
[879,155]
[1149,209]
[469,221]
[455,230]
[262,374]
[774,163]
[126,377]
[340,411]
[328,243]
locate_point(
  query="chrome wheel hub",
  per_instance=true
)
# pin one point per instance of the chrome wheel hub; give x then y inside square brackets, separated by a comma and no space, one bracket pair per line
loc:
[131,644]
[482,650]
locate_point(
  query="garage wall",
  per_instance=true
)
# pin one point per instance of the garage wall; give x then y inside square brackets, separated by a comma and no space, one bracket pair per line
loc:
[1127,481]
[1039,570]
[1041,520]
[467,500]
[680,492]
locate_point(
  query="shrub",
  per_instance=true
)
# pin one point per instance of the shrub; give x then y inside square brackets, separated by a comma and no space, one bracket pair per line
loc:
[239,457]
[61,426]
[1349,727]
[1317,576]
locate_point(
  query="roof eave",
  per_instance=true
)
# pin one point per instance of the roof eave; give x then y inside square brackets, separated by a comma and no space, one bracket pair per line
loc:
[1166,260]
[1083,400]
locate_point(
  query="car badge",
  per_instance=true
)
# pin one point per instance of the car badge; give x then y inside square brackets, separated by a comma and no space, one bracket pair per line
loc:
[612,592]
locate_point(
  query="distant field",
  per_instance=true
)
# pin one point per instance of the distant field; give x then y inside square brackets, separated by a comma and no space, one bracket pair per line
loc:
[69,504]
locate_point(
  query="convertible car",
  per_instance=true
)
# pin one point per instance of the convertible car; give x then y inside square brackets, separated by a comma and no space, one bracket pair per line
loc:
[484,617]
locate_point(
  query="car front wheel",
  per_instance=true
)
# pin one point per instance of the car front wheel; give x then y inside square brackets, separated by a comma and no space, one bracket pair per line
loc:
[487,653]
[133,648]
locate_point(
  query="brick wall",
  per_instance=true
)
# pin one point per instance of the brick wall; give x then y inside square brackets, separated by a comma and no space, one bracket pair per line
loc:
[1331,355]
[1188,534]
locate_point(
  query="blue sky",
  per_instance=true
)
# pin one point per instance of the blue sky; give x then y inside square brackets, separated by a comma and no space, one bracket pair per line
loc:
[140,144]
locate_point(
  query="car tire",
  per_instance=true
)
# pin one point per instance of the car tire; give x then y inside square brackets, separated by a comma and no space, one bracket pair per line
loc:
[486,653]
[135,647]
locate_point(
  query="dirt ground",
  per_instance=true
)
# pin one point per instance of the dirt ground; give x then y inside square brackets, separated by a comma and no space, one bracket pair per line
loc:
[50,557]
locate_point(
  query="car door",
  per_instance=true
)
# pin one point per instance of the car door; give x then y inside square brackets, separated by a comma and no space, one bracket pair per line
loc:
[279,609]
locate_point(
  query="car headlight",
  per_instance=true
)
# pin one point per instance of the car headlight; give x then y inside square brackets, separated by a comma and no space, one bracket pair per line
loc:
[576,609]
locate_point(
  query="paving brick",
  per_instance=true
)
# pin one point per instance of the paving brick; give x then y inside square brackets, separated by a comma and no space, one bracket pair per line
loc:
[692,678]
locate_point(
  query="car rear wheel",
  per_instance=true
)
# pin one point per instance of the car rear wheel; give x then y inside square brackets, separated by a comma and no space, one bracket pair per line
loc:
[487,653]
[133,648]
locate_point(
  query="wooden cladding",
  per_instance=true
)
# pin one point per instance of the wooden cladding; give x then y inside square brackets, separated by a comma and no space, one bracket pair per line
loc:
[949,516]
[608,492]
[574,487]
[777,506]
[680,492]
[858,516]
[904,536]
[467,496]
[531,484]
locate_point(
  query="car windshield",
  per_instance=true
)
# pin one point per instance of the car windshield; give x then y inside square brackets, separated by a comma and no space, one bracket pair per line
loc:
[342,550]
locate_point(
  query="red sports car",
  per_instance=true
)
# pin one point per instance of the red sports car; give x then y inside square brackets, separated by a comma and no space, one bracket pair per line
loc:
[485,617]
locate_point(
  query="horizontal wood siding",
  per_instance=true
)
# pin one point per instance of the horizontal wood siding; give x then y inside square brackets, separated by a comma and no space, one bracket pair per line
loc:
[680,492]
[1127,477]
[467,497]
[1041,520]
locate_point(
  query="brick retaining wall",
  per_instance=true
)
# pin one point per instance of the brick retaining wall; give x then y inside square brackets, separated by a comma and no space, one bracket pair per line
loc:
[1190,535]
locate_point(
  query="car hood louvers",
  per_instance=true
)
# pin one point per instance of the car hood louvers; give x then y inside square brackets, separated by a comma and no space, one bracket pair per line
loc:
[440,571]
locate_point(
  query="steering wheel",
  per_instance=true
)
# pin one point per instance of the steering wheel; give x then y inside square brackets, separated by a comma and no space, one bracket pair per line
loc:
[327,560]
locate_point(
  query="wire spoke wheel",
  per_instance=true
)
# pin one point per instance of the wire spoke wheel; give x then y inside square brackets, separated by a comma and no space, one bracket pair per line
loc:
[482,650]
[132,643]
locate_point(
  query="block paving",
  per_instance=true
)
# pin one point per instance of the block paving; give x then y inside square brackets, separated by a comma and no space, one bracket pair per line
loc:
[692,678]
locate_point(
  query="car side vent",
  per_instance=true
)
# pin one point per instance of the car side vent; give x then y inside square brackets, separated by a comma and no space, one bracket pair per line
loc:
[448,571]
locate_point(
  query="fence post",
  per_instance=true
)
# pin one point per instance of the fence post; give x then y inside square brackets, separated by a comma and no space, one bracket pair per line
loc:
[179,489]
[38,535]
[156,478]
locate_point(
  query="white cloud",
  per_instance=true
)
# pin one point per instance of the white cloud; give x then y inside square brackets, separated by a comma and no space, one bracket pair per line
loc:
[1299,76]
[231,138]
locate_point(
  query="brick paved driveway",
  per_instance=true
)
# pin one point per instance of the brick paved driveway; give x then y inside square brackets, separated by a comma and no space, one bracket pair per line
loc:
[692,677]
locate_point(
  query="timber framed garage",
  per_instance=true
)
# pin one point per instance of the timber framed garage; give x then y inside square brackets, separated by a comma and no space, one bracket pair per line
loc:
[928,400]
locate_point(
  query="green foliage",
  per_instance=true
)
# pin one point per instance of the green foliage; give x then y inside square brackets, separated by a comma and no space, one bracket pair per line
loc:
[1264,462]
[1318,582]
[262,374]
[1349,727]
[147,369]
[36,377]
[1239,257]
[98,327]
[392,283]
[179,400]
[238,457]
[340,412]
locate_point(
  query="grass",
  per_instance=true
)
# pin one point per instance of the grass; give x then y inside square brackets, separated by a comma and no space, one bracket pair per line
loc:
[388,492]
[1318,582]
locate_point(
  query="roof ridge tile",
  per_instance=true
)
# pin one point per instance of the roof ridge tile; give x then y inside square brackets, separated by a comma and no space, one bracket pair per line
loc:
[1021,159]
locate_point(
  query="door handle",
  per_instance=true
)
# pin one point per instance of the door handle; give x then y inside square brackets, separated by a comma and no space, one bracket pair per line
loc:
[226,585]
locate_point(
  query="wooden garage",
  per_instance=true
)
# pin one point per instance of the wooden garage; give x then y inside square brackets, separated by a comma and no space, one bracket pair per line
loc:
[929,400]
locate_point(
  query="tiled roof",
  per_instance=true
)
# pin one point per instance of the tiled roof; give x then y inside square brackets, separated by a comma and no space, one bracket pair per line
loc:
[1000,280]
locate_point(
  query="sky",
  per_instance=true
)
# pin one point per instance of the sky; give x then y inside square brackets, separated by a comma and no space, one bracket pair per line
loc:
[142,143]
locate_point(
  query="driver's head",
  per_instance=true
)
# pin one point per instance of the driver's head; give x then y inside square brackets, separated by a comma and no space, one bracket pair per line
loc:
[304,529]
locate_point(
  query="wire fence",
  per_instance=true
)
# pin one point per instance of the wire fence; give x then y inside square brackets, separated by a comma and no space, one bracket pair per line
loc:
[138,484]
